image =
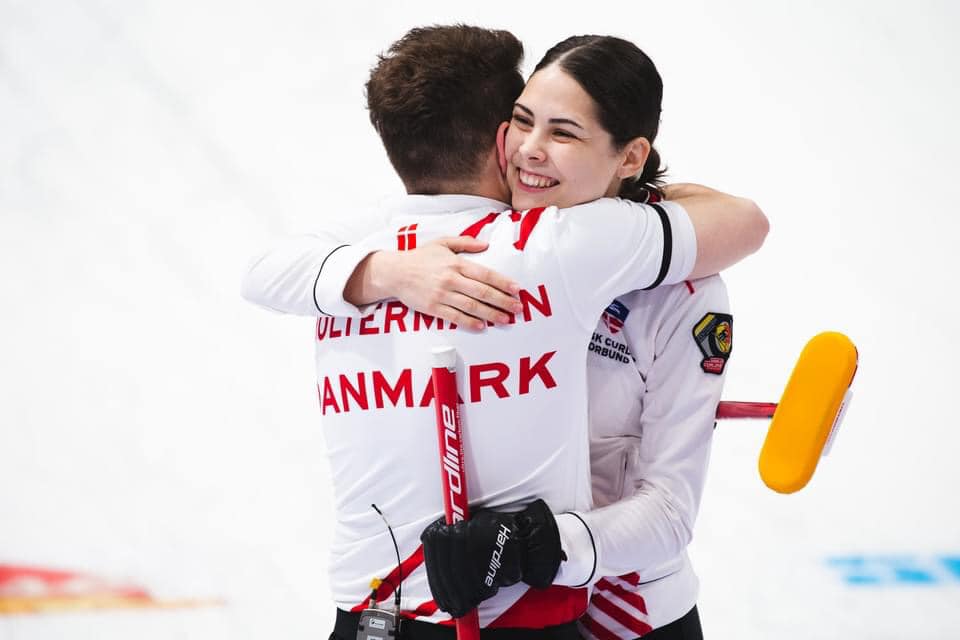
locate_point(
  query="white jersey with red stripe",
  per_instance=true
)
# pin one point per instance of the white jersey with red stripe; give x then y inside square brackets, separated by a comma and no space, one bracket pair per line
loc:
[656,368]
[523,387]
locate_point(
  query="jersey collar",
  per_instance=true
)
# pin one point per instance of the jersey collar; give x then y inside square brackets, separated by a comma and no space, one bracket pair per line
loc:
[443,204]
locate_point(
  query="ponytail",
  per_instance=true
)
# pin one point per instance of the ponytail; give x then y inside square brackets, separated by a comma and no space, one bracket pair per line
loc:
[647,183]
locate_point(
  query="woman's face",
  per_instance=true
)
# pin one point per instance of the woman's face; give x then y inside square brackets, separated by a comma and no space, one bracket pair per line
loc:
[557,153]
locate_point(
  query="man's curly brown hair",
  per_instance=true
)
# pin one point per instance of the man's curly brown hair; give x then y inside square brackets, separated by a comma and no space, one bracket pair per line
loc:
[436,98]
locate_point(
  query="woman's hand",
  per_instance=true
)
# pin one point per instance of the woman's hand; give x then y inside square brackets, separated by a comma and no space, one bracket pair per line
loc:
[436,280]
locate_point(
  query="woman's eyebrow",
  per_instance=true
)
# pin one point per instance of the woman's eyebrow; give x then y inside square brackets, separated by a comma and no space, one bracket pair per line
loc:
[552,120]
[527,109]
[565,121]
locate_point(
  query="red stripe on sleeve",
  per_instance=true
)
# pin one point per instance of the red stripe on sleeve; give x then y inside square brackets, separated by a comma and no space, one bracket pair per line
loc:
[639,627]
[596,629]
[635,599]
[632,578]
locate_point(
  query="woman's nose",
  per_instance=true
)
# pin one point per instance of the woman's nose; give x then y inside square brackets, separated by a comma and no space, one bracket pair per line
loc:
[531,149]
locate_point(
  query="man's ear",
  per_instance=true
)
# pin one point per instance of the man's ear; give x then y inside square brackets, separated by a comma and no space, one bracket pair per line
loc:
[635,156]
[501,147]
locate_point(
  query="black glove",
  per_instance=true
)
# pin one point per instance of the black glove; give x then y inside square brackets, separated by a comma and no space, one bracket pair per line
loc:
[468,562]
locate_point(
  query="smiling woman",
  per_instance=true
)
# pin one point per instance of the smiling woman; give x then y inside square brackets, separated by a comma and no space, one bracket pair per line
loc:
[582,129]
[584,125]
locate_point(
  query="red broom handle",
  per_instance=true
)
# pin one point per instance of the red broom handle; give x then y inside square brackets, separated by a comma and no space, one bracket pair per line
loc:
[452,468]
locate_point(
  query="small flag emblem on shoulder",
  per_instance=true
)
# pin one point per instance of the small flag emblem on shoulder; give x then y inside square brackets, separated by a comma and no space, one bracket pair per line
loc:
[407,238]
[615,315]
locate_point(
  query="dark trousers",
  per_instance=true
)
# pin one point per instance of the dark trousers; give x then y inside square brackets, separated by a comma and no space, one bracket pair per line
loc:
[686,628]
[345,628]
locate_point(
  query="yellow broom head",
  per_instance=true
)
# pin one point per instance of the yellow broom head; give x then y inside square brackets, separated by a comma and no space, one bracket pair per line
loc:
[809,411]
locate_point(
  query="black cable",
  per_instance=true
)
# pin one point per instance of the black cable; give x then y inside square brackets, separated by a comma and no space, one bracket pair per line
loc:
[399,565]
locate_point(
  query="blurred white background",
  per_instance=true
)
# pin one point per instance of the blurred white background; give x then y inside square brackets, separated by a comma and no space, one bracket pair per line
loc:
[155,428]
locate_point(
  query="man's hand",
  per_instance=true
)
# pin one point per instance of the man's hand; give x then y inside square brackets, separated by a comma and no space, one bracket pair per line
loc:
[468,562]
[434,279]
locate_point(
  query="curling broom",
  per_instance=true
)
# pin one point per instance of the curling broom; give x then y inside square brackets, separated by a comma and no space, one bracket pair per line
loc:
[805,421]
[452,468]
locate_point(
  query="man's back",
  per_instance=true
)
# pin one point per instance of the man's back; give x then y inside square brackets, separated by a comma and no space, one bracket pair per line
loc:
[523,388]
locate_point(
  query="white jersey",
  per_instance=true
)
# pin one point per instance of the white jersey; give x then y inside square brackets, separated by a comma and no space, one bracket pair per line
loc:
[524,387]
[656,367]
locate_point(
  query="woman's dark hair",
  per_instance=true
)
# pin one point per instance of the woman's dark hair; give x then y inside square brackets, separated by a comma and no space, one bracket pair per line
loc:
[627,89]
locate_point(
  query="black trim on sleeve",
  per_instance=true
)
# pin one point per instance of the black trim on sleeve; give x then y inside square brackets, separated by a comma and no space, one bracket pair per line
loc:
[317,279]
[593,544]
[660,578]
[667,247]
